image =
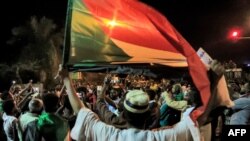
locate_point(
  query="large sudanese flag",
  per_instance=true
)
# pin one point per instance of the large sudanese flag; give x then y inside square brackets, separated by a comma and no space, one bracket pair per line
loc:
[128,31]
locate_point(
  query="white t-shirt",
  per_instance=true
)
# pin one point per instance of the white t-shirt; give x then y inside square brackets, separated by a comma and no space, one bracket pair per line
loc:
[8,125]
[88,127]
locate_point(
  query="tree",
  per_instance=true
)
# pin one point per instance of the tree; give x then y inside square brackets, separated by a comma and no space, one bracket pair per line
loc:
[40,48]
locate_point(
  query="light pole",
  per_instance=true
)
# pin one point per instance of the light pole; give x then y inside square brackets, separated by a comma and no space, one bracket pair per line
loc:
[242,38]
[235,35]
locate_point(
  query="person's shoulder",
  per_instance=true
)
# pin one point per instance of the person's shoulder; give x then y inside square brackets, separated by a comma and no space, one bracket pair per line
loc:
[13,120]
[86,113]
[83,110]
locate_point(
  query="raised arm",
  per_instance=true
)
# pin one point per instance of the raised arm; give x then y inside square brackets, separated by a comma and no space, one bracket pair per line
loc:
[73,98]
[178,105]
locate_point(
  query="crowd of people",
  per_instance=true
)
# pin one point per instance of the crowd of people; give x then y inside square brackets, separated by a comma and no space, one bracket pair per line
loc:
[127,108]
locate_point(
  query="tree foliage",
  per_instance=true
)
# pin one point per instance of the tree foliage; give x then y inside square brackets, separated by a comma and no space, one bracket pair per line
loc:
[39,44]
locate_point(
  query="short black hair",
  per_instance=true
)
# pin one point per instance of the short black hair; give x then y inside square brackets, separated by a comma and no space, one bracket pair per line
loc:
[184,83]
[50,101]
[5,95]
[8,106]
[151,93]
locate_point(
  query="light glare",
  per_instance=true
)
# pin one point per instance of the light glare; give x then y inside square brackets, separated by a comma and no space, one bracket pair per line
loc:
[235,34]
[112,23]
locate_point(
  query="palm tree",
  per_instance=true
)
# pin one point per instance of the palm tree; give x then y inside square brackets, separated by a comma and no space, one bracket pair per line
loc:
[39,42]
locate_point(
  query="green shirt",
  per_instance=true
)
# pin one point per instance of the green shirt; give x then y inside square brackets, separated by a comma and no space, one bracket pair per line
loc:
[53,127]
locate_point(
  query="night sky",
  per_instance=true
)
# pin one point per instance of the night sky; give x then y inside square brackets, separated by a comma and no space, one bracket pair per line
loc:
[204,23]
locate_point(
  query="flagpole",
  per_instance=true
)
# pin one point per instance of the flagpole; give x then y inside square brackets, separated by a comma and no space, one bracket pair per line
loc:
[243,38]
[67,35]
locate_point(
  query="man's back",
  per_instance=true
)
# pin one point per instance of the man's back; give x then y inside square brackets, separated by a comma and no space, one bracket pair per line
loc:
[53,127]
[88,127]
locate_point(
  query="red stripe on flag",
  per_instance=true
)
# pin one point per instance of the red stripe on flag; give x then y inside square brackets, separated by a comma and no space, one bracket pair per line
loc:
[127,20]
[136,23]
[197,69]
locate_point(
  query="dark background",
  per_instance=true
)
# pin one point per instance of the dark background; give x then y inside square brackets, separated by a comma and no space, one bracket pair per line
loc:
[204,23]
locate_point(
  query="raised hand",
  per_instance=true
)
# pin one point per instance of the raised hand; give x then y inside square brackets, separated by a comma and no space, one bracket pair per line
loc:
[217,67]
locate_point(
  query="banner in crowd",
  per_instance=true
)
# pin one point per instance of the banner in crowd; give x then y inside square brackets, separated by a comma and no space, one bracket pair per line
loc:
[101,32]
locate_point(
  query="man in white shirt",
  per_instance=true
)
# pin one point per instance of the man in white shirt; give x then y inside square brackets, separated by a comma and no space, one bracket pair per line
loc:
[89,127]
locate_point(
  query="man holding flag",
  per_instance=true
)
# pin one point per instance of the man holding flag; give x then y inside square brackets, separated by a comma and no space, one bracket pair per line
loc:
[89,127]
[108,32]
